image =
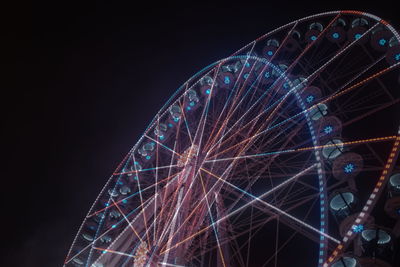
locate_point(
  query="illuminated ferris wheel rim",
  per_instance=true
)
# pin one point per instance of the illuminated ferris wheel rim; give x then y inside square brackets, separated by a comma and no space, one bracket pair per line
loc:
[209,68]
[219,62]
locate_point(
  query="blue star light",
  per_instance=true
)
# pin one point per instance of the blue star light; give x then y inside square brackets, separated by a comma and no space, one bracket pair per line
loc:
[335,35]
[349,168]
[328,129]
[382,42]
[310,98]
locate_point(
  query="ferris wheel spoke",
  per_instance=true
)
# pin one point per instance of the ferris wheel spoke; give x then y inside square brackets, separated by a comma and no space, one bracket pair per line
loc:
[212,220]
[202,121]
[294,218]
[111,228]
[255,119]
[164,200]
[231,108]
[302,149]
[167,179]
[385,89]
[186,123]
[129,223]
[162,145]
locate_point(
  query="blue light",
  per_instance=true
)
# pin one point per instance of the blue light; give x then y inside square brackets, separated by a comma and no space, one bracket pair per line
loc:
[358,228]
[357,36]
[148,157]
[310,98]
[397,57]
[104,252]
[208,91]
[335,35]
[382,42]
[313,37]
[162,137]
[349,168]
[113,226]
[170,125]
[270,53]
[227,80]
[191,103]
[188,108]
[124,201]
[328,129]
[267,74]
[176,119]
[246,75]
[247,64]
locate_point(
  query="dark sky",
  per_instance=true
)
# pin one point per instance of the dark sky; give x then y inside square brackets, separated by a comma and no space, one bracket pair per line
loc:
[82,80]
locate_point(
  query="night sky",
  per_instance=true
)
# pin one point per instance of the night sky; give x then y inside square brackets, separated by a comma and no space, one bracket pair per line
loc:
[82,81]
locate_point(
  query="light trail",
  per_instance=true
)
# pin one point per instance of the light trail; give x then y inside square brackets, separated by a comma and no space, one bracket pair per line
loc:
[212,220]
[134,194]
[164,146]
[103,234]
[255,198]
[363,141]
[242,207]
[126,219]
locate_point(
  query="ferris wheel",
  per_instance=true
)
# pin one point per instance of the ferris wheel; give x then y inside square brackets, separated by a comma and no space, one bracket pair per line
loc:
[295,137]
